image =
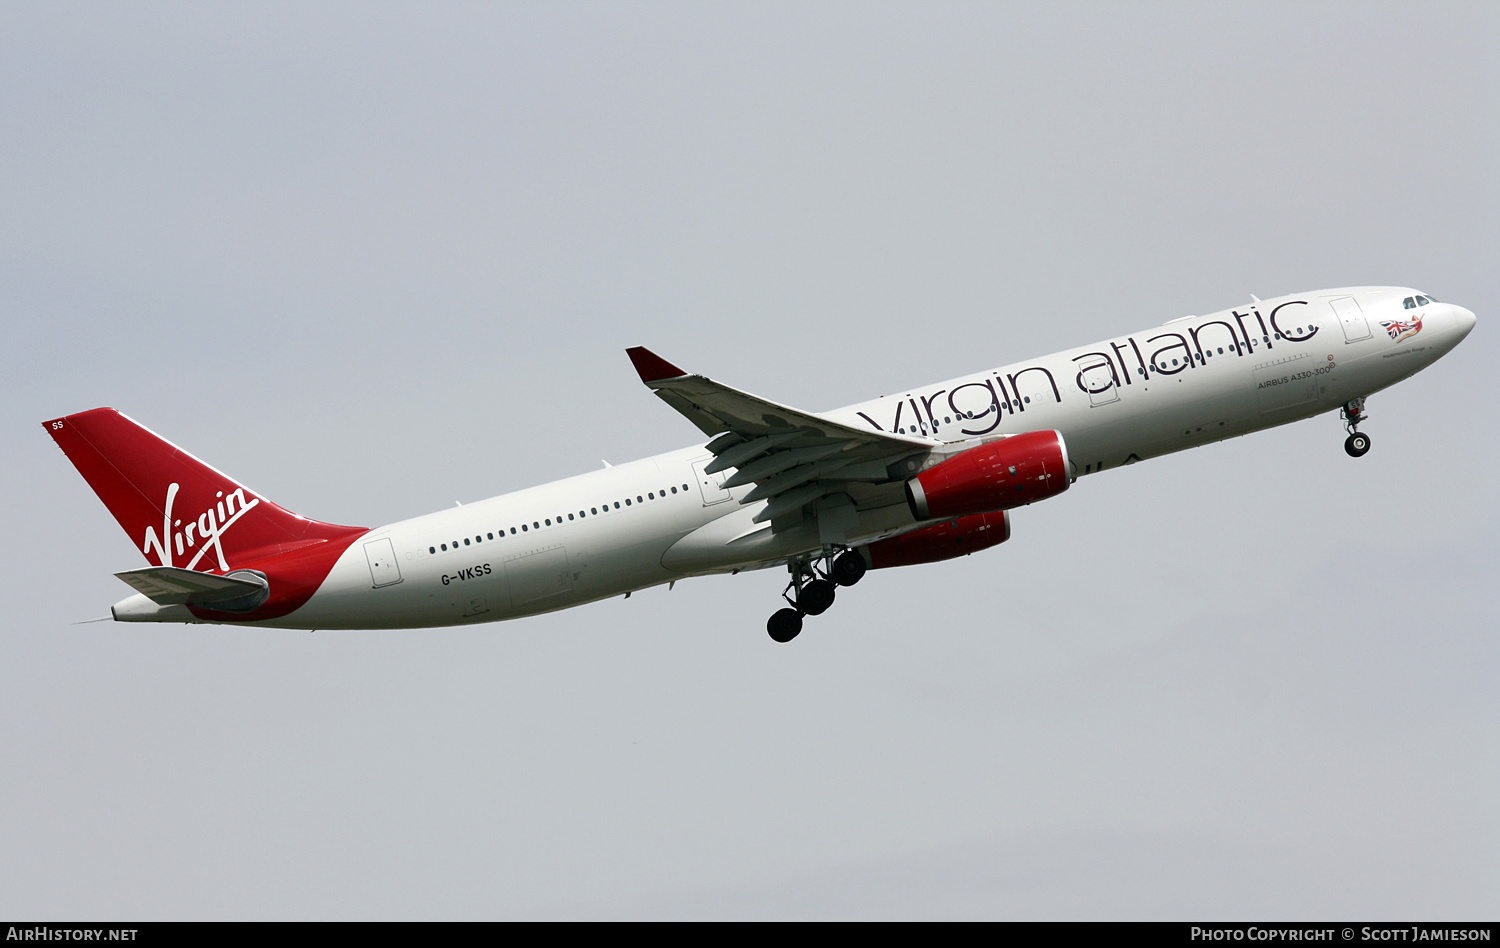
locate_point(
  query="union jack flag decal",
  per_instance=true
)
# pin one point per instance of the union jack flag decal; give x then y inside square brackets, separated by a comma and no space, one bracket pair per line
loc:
[1400,330]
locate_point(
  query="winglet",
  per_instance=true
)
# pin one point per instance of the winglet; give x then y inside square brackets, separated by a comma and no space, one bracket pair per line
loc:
[652,367]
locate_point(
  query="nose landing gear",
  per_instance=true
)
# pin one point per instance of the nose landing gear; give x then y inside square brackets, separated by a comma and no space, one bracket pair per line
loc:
[1356,445]
[812,589]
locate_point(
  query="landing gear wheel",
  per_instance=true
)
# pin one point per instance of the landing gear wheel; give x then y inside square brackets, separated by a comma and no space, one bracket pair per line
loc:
[784,625]
[1357,444]
[815,598]
[848,569]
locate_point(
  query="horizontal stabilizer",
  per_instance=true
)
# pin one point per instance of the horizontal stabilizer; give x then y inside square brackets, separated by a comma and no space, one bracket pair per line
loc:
[174,586]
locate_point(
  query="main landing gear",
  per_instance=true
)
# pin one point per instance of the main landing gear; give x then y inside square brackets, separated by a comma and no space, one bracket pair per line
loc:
[812,588]
[1356,445]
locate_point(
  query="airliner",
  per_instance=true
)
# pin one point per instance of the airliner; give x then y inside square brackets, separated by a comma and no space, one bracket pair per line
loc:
[914,477]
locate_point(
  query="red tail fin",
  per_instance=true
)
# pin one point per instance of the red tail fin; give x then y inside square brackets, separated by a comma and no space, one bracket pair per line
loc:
[181,511]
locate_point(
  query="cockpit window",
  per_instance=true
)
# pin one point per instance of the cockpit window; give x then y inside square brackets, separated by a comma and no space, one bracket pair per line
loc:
[1421,301]
[1409,303]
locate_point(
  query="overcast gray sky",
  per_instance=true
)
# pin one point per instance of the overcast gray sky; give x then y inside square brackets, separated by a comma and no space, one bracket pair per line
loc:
[374,258]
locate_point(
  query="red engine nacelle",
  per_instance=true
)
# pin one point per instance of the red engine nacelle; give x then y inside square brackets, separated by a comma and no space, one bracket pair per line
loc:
[942,541]
[1000,475]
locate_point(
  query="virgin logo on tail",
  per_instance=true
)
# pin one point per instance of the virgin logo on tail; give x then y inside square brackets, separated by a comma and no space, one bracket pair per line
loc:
[204,533]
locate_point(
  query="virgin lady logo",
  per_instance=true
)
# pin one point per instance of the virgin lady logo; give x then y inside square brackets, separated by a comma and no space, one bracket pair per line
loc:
[204,533]
[1401,331]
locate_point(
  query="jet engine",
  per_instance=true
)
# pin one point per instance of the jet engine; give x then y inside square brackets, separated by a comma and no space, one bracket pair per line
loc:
[941,541]
[1000,475]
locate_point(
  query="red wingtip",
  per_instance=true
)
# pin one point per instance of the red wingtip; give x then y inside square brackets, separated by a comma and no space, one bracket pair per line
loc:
[652,367]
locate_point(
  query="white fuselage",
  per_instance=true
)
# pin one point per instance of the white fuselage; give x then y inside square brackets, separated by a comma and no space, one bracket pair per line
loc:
[1186,383]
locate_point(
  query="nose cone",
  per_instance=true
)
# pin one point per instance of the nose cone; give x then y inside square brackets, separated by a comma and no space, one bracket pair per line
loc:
[1464,321]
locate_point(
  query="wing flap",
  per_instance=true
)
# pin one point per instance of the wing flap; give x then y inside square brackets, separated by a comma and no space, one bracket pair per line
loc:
[735,453]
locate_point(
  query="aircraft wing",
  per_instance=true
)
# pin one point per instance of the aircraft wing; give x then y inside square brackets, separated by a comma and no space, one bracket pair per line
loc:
[793,457]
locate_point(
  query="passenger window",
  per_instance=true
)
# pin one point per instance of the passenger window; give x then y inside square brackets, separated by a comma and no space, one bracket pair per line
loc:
[594,510]
[627,502]
[466,542]
[523,528]
[570,516]
[445,547]
[652,495]
[432,549]
[617,504]
[491,536]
